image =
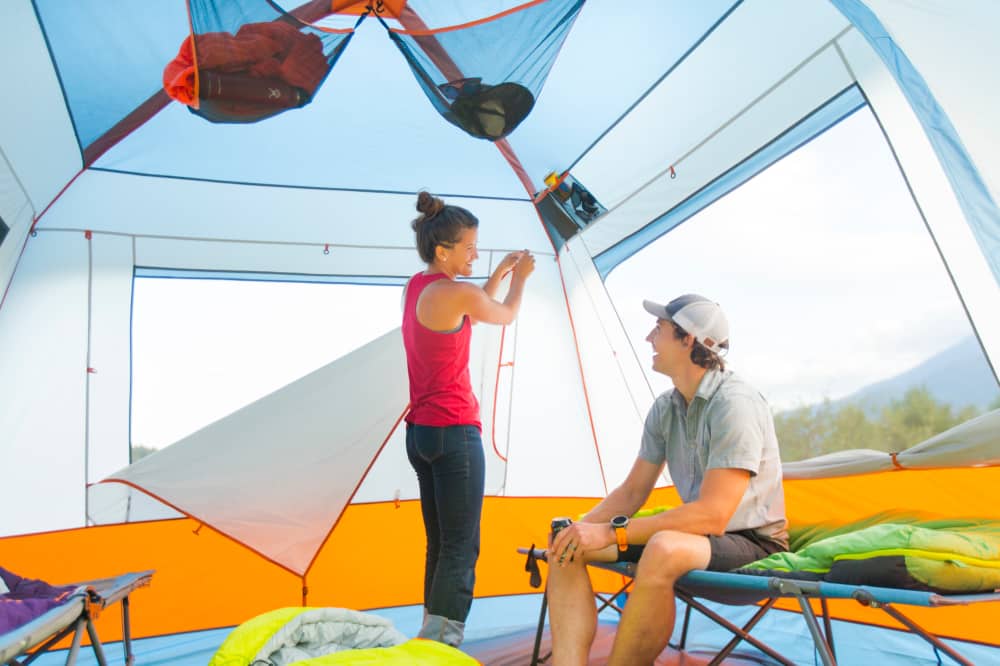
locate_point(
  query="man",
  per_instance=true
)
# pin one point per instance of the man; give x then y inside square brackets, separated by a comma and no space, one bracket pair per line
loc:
[716,434]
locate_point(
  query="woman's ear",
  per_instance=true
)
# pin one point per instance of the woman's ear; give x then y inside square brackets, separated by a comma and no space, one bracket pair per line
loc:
[441,253]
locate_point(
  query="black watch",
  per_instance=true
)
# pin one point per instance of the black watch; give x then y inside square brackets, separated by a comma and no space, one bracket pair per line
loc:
[618,524]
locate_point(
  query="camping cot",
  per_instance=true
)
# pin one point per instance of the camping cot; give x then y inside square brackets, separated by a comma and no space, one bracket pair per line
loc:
[741,588]
[22,645]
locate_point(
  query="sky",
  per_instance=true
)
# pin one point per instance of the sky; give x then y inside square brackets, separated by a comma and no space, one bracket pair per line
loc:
[822,264]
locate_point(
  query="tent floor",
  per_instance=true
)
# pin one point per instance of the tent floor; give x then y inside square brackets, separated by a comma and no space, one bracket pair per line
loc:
[515,649]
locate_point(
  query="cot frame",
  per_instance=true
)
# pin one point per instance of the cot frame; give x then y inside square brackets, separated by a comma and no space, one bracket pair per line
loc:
[734,588]
[26,643]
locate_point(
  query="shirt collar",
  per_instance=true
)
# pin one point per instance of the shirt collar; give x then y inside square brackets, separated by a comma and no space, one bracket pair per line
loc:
[709,384]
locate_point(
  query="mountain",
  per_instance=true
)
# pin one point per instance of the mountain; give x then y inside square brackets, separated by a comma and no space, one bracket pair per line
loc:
[958,376]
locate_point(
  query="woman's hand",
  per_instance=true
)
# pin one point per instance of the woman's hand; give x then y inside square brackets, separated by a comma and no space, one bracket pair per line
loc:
[524,266]
[507,263]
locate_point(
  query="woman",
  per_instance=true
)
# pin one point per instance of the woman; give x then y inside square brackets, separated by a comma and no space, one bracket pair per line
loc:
[443,438]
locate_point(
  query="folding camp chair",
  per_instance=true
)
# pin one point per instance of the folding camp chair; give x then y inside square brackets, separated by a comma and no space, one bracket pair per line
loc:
[74,616]
[735,588]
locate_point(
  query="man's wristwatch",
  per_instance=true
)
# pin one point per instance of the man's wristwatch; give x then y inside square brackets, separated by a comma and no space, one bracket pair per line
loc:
[618,524]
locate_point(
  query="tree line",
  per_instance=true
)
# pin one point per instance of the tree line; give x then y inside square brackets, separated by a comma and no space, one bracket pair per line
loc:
[901,423]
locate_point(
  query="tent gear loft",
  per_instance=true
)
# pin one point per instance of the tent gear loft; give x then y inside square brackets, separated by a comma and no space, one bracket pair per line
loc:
[484,76]
[267,62]
[253,66]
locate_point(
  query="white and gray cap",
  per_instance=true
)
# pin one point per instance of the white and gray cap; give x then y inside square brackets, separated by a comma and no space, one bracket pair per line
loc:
[698,316]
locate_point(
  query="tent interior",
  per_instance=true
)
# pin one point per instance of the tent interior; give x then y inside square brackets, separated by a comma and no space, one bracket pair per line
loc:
[202,367]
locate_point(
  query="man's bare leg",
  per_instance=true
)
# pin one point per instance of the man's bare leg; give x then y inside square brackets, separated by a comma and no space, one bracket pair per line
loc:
[648,620]
[572,611]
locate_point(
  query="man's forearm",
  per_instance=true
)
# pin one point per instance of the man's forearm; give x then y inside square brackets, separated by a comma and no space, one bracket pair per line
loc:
[692,518]
[619,501]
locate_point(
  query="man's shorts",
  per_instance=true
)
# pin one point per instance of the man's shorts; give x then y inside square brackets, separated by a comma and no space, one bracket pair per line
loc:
[730,551]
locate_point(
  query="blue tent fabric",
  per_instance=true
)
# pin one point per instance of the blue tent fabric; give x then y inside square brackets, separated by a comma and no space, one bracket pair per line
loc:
[973,195]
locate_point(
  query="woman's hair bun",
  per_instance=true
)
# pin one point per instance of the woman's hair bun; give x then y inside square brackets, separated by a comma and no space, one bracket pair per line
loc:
[428,204]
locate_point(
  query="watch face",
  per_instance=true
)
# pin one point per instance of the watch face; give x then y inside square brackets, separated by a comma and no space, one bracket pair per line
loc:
[619,521]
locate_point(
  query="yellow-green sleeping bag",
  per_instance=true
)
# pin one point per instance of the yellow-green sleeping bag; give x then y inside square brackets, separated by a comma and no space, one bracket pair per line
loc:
[322,636]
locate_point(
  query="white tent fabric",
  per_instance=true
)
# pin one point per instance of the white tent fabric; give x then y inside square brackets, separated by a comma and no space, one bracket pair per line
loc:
[659,114]
[975,442]
[265,471]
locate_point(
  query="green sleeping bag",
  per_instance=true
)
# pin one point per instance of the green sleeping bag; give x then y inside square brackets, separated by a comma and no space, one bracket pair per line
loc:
[964,558]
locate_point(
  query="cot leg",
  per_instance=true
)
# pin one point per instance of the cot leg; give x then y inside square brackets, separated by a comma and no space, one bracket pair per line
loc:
[95,643]
[920,631]
[541,628]
[74,648]
[807,613]
[684,628]
[828,626]
[607,602]
[718,619]
[127,633]
[731,645]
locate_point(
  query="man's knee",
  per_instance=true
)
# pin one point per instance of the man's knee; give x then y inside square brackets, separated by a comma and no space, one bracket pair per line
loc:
[669,555]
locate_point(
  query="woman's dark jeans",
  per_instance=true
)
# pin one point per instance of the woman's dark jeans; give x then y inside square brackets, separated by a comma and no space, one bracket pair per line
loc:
[451,470]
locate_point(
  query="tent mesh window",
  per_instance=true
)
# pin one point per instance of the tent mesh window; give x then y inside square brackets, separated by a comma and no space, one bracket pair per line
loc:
[484,76]
[247,60]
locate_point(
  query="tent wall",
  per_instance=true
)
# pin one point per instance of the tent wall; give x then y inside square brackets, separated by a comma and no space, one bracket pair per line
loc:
[967,257]
[947,106]
[174,209]
[43,325]
[17,215]
[618,393]
[550,421]
[768,66]
[36,135]
[65,326]
[932,193]
[374,558]
[938,39]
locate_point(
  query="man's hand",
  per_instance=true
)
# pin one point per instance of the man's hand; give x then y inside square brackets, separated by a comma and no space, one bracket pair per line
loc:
[579,538]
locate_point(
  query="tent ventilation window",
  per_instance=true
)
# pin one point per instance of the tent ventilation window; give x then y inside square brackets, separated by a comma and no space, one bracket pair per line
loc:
[247,60]
[566,206]
[3,230]
[484,76]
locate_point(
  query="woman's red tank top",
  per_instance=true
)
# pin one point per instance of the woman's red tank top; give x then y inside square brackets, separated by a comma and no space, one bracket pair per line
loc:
[438,365]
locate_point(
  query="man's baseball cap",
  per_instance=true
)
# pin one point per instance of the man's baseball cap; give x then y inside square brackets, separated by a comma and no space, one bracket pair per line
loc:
[698,316]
